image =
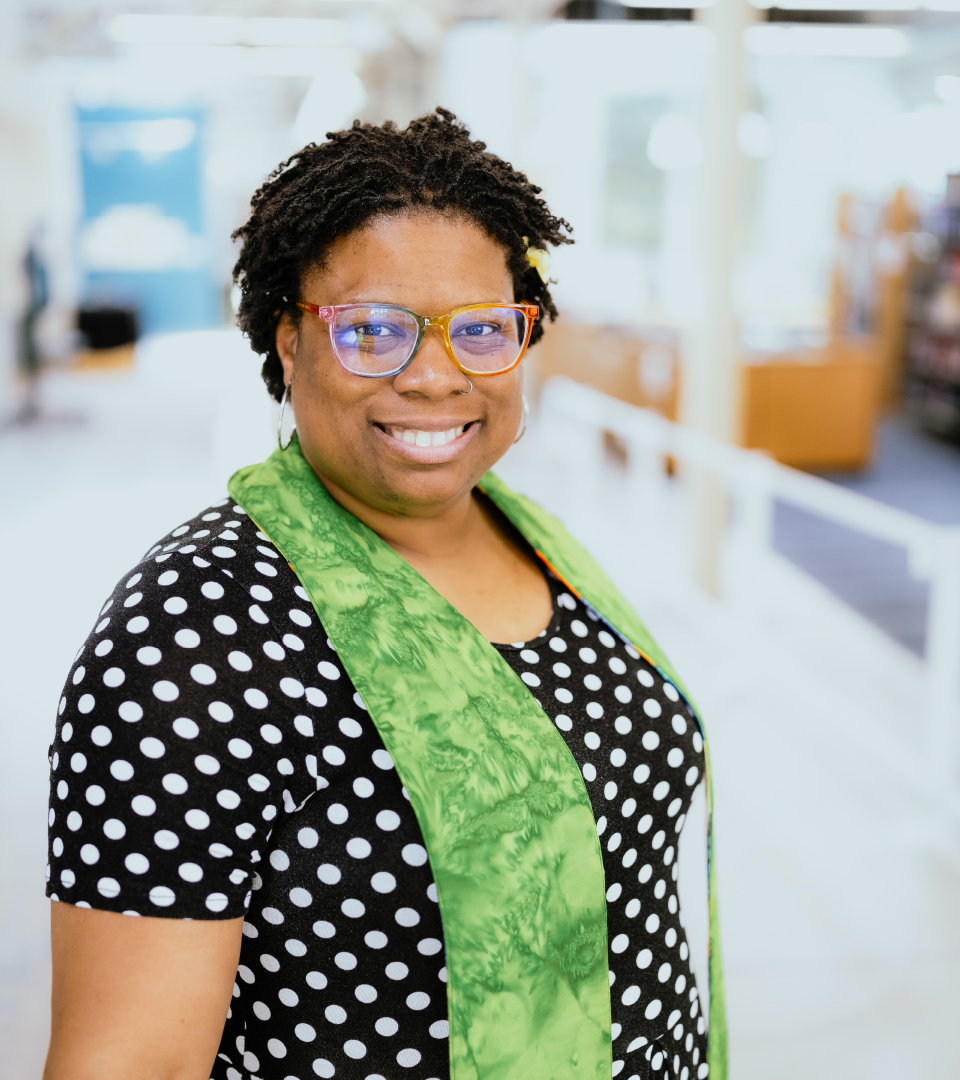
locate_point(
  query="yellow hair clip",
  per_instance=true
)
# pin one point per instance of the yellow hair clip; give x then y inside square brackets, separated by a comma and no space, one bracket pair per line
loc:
[539,260]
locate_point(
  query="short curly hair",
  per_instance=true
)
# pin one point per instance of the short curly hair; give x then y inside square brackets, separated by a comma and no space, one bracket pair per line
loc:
[325,192]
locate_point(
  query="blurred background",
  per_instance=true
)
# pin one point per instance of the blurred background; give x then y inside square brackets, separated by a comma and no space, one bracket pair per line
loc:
[764,302]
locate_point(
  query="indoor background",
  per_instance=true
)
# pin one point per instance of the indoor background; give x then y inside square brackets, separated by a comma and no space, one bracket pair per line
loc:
[764,302]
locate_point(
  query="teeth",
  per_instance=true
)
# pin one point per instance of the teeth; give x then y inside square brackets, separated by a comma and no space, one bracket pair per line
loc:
[416,437]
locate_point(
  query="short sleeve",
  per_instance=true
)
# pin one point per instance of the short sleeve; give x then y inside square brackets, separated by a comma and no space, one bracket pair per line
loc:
[184,730]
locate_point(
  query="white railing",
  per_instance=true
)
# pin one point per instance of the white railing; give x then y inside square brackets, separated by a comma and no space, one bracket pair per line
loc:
[573,419]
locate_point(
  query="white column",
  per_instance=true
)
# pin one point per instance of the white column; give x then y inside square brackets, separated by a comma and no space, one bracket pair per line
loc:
[709,402]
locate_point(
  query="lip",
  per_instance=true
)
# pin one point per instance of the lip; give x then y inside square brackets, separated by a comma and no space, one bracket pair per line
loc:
[428,455]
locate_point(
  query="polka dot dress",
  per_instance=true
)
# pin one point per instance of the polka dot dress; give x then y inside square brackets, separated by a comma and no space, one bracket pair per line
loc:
[213,760]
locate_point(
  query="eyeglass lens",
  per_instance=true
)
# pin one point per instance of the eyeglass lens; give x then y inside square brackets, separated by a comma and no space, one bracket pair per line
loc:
[376,340]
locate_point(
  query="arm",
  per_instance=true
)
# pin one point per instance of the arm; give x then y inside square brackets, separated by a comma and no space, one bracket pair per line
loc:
[140,998]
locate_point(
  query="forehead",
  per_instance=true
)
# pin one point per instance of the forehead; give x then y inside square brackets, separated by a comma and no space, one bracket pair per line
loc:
[424,257]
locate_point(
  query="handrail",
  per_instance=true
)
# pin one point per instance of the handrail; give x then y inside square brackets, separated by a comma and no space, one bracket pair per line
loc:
[756,480]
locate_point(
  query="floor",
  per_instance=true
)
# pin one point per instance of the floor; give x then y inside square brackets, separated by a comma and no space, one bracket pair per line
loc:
[839,884]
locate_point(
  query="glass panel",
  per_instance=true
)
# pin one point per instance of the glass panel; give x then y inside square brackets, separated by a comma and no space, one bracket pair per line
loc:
[374,340]
[488,339]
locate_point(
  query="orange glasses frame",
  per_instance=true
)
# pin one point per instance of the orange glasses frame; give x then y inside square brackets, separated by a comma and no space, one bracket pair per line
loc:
[329,314]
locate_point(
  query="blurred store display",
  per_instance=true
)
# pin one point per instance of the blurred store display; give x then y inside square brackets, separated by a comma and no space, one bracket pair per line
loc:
[933,356]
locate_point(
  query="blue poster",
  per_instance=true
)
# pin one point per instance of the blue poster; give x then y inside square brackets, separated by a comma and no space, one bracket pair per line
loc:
[142,241]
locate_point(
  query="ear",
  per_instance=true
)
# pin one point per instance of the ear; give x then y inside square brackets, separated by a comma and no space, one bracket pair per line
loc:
[287,339]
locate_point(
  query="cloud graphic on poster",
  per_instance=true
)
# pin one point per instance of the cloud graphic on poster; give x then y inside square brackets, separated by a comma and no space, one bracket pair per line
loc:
[139,237]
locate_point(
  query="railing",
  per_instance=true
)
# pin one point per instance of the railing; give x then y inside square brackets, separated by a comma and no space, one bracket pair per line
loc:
[573,419]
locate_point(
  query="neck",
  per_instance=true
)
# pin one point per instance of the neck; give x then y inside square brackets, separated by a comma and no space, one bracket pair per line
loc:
[439,535]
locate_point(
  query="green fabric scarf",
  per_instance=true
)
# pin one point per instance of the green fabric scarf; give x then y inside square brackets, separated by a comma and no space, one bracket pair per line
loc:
[502,806]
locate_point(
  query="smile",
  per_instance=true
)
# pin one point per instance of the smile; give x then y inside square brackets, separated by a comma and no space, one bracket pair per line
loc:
[418,437]
[427,446]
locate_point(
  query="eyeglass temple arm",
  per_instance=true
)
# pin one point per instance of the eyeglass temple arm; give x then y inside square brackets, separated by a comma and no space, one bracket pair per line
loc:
[325,313]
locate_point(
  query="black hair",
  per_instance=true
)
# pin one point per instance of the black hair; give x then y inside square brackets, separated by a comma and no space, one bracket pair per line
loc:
[325,192]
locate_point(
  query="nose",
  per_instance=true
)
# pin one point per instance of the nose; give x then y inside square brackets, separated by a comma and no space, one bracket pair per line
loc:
[432,373]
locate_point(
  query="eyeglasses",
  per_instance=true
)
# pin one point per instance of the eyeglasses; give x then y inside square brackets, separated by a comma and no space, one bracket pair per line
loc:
[374,340]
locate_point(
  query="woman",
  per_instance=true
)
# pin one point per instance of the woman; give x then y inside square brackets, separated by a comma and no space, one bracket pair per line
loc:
[346,740]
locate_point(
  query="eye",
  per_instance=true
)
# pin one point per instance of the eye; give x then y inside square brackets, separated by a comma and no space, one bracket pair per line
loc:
[479,329]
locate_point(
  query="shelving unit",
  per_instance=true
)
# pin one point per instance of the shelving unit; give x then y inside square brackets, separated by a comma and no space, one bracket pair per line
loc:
[932,386]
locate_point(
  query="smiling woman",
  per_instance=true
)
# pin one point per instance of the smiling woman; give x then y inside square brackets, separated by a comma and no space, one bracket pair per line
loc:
[352,753]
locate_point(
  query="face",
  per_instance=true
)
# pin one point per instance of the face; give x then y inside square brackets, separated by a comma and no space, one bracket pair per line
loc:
[351,429]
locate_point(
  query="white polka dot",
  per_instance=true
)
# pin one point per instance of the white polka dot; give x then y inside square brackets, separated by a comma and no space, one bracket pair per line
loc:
[645,871]
[333,755]
[631,995]
[323,1068]
[429,946]
[563,695]
[396,970]
[143,805]
[216,902]
[386,1025]
[388,820]
[197,819]
[137,863]
[304,1032]
[108,887]
[408,1058]
[328,873]
[95,795]
[661,790]
[166,690]
[324,929]
[86,703]
[240,748]
[74,821]
[173,782]
[365,993]
[186,728]
[292,688]
[382,759]
[652,925]
[592,740]
[613,893]
[692,774]
[190,871]
[203,674]
[114,829]
[279,860]
[328,670]
[121,770]
[289,997]
[346,961]
[152,748]
[594,710]
[220,711]
[589,772]
[653,1009]
[223,552]
[406,916]
[256,699]
[362,787]
[149,656]
[166,840]
[176,605]
[383,882]
[300,897]
[418,1001]
[352,908]
[90,854]
[228,799]
[414,854]
[358,848]
[337,813]
[304,725]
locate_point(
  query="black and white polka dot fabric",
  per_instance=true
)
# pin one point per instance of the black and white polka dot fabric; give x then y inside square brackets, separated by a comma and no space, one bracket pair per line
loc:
[213,760]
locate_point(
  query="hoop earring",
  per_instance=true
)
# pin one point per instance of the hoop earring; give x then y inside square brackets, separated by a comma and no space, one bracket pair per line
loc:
[283,405]
[470,391]
[524,421]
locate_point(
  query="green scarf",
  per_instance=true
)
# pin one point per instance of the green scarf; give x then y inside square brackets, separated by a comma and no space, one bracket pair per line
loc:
[500,801]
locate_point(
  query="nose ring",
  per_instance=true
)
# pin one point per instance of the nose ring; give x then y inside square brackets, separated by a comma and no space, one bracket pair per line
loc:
[470,384]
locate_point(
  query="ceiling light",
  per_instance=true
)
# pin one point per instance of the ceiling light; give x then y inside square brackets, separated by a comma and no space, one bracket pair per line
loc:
[232,30]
